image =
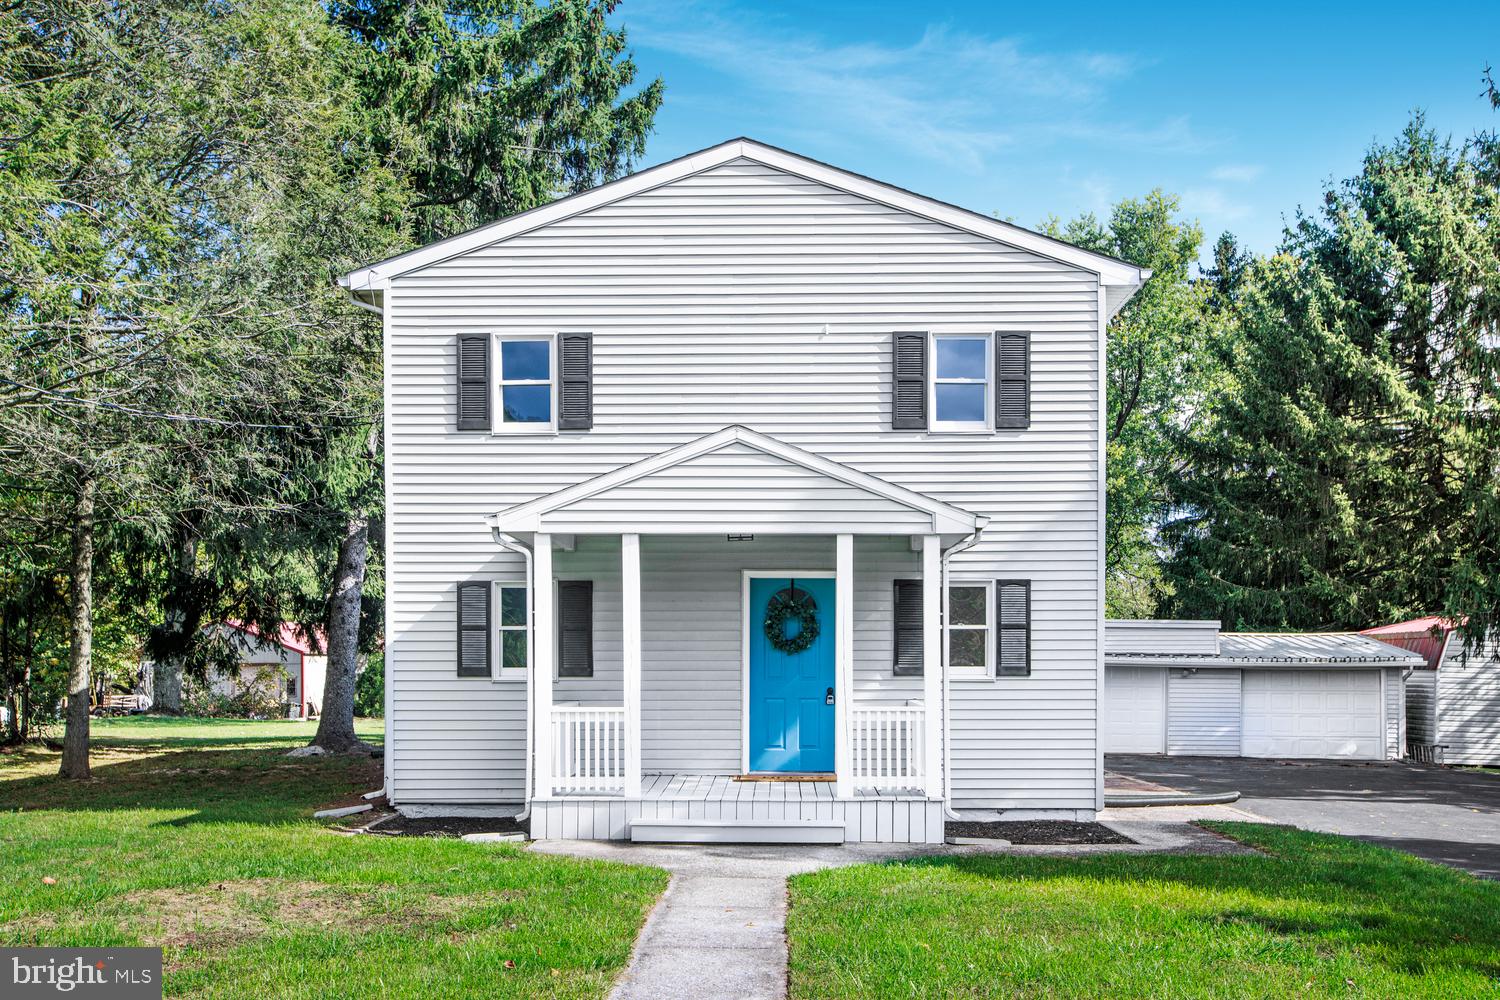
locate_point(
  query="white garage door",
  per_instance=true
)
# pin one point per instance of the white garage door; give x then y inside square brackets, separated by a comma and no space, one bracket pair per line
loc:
[1312,713]
[1135,710]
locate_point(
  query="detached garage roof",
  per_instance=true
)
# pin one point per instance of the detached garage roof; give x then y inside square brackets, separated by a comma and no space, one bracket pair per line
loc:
[1141,644]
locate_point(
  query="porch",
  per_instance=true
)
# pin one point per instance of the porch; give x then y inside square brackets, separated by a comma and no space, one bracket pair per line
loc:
[677,558]
[697,808]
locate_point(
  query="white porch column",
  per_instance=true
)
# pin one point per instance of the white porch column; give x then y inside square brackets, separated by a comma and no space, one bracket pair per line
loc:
[843,672]
[932,664]
[542,630]
[630,591]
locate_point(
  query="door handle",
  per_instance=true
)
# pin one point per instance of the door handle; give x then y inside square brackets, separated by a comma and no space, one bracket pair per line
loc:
[828,698]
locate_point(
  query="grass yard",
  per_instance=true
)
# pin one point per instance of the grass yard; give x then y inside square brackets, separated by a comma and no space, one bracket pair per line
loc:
[1320,916]
[196,835]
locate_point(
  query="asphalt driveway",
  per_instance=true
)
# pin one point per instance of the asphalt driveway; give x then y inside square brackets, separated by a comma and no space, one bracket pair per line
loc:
[1444,815]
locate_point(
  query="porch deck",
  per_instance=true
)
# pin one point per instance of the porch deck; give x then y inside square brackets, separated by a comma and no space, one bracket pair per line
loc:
[902,816]
[662,787]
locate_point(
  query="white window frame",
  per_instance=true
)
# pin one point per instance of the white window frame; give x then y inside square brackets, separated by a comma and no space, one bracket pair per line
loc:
[984,426]
[990,611]
[502,426]
[498,670]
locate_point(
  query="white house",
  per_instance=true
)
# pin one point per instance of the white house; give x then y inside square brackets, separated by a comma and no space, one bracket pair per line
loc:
[745,498]
[1183,687]
[1453,698]
[284,668]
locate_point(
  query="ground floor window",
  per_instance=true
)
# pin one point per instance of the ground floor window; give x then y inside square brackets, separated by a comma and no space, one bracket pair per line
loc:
[514,640]
[966,640]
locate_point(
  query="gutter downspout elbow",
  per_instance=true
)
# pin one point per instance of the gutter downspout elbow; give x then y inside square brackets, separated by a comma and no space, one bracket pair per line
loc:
[513,544]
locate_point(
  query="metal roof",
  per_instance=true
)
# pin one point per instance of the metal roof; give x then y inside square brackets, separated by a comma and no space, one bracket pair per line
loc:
[1250,649]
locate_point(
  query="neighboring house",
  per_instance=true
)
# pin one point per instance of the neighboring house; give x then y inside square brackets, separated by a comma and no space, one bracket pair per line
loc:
[639,439]
[1453,698]
[284,668]
[1183,687]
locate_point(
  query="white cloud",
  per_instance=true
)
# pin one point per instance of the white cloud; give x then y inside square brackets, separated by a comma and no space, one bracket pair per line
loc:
[1237,173]
[1212,203]
[949,96]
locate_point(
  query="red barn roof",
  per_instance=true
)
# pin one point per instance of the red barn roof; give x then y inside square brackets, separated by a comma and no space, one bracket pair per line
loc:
[288,637]
[1424,636]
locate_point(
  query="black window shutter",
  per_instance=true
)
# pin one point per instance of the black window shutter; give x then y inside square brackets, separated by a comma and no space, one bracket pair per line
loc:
[474,629]
[1012,380]
[907,661]
[909,381]
[575,628]
[474,382]
[1014,620]
[575,410]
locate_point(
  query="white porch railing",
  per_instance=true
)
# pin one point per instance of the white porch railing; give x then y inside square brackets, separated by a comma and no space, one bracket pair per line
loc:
[588,749]
[887,746]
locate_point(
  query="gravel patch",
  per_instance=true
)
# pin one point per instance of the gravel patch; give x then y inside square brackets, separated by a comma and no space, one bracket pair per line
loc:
[1037,832]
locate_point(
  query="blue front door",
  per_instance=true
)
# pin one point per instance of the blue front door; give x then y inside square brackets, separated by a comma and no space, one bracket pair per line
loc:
[791,715]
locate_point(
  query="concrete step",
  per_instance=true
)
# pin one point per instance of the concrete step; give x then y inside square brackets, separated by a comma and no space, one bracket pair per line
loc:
[736,831]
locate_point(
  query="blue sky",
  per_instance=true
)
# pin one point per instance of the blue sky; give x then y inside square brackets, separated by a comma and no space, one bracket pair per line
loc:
[1244,110]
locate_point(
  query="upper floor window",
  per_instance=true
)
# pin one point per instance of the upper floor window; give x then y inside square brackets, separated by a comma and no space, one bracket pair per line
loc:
[527,385]
[961,367]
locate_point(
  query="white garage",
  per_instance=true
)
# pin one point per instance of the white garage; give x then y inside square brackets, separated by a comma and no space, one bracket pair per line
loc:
[1182,687]
[1312,713]
[1135,710]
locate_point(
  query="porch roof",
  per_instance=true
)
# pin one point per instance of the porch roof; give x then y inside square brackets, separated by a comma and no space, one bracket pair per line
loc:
[737,480]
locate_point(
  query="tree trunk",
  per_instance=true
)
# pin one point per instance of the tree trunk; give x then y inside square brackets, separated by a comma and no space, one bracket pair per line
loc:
[30,652]
[75,757]
[166,678]
[336,725]
[12,683]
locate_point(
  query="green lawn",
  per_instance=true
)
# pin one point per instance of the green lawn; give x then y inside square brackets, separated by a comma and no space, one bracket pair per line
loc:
[1320,916]
[196,835]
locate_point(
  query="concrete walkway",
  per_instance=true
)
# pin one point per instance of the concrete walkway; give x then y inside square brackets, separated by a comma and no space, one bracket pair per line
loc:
[720,928]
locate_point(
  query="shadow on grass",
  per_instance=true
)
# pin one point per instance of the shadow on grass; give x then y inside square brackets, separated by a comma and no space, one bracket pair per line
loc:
[218,785]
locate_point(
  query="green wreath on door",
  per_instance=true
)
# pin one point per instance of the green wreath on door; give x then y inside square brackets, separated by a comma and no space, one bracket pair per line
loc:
[791,605]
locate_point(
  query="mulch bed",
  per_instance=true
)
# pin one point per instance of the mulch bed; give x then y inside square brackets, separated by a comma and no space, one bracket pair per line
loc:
[1037,832]
[448,826]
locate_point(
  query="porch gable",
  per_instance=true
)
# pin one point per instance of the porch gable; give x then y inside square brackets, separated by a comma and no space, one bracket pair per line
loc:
[737,480]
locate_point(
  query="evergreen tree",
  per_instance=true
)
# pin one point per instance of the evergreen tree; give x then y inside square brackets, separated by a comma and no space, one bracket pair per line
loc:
[1155,377]
[1348,473]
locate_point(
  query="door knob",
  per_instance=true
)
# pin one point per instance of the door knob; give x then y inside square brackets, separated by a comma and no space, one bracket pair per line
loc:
[828,698]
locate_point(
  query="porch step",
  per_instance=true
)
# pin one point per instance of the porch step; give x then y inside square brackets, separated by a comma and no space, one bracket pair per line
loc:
[736,831]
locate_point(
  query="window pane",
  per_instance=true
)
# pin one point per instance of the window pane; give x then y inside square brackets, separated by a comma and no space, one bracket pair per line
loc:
[512,605]
[966,605]
[525,359]
[527,404]
[960,357]
[966,647]
[960,402]
[513,649]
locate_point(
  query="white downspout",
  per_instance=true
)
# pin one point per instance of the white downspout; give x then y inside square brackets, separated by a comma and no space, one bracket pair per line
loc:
[514,545]
[948,553]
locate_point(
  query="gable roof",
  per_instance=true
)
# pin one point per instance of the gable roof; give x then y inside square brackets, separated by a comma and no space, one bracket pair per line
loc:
[1416,626]
[365,283]
[942,518]
[289,636]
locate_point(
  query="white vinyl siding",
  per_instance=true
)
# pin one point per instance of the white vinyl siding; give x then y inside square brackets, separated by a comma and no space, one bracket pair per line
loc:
[1421,707]
[1203,713]
[746,295]
[1468,704]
